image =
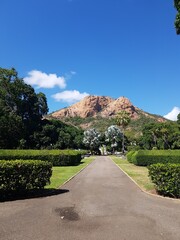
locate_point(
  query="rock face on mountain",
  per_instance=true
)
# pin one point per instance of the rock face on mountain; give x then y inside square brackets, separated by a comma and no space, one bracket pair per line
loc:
[88,107]
[98,112]
[93,106]
[118,105]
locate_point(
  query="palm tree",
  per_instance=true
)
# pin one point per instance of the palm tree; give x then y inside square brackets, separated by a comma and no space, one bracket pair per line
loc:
[122,120]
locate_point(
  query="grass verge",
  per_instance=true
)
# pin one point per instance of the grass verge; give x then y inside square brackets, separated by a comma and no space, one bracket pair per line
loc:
[61,174]
[137,173]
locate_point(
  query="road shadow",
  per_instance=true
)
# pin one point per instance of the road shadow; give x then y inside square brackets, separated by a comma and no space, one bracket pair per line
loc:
[29,194]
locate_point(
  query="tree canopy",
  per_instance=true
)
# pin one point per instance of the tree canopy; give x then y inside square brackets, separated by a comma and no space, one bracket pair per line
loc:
[113,136]
[92,140]
[177,20]
[20,107]
[178,118]
[161,136]
[21,118]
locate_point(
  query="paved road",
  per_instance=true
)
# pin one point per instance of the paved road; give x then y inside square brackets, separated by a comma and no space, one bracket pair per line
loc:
[102,204]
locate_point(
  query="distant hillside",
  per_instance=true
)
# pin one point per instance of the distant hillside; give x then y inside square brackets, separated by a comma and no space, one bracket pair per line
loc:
[100,112]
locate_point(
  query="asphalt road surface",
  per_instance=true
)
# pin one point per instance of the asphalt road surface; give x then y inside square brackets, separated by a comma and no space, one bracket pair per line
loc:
[101,203]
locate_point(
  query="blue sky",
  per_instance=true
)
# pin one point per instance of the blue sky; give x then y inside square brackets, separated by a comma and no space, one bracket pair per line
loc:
[70,48]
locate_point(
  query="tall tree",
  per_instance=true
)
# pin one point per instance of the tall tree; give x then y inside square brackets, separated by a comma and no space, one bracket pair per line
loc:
[178,118]
[177,20]
[113,135]
[92,140]
[123,119]
[161,136]
[21,109]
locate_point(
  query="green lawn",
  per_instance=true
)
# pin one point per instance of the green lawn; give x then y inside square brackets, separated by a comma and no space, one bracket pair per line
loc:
[137,173]
[61,174]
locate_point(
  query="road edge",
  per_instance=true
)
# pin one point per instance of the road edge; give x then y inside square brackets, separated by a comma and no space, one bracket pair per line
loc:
[142,190]
[76,174]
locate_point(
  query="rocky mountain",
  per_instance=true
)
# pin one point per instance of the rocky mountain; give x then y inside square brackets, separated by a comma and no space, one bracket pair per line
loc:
[90,106]
[100,112]
[118,105]
[101,106]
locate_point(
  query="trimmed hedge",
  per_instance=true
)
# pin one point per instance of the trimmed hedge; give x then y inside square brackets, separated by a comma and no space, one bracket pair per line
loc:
[20,175]
[166,178]
[148,157]
[56,157]
[129,156]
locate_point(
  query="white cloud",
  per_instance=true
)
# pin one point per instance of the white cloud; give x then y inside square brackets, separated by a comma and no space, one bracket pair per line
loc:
[173,114]
[69,96]
[44,80]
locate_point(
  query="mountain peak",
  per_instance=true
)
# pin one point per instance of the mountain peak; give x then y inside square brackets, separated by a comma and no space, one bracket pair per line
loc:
[89,106]
[121,103]
[101,110]
[92,105]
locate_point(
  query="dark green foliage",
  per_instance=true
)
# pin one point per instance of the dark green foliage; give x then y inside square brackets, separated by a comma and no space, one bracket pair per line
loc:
[56,157]
[22,175]
[139,123]
[148,157]
[177,20]
[164,135]
[178,118]
[21,124]
[166,178]
[21,110]
[54,134]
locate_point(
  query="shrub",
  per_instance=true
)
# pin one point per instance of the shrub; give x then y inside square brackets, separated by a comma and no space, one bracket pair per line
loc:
[166,178]
[133,148]
[129,156]
[56,157]
[148,157]
[24,174]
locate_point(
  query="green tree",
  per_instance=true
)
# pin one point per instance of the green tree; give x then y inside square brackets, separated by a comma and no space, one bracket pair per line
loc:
[21,118]
[21,110]
[147,140]
[178,118]
[57,135]
[161,136]
[177,20]
[122,120]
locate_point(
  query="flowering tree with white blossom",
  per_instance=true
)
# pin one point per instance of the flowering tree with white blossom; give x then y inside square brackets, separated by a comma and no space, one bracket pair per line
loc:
[113,135]
[92,139]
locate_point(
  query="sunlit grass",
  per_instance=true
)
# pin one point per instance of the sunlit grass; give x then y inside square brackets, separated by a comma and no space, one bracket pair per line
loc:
[137,173]
[61,174]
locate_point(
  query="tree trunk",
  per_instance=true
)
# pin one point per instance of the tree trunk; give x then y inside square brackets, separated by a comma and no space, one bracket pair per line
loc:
[123,151]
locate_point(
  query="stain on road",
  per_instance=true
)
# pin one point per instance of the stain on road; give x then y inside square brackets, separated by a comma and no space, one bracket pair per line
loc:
[67,213]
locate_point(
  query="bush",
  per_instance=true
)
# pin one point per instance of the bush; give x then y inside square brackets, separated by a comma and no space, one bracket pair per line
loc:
[56,157]
[129,156]
[148,157]
[133,148]
[24,174]
[166,178]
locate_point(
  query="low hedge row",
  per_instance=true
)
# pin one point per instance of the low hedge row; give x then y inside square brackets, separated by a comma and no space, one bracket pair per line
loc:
[166,178]
[148,157]
[20,175]
[56,157]
[129,156]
